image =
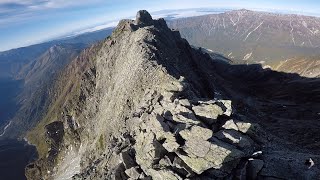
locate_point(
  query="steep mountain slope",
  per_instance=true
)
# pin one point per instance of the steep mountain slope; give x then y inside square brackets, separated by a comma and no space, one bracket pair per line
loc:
[13,60]
[37,78]
[305,66]
[145,104]
[256,37]
[32,70]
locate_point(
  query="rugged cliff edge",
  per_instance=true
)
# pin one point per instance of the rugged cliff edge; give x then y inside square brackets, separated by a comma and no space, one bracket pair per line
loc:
[143,104]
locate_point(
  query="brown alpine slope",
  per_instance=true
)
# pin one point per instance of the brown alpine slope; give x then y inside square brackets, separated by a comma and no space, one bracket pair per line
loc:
[143,104]
[270,39]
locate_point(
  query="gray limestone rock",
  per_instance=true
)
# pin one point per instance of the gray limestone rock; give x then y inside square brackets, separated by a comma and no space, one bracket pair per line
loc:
[233,137]
[230,124]
[196,132]
[163,175]
[133,173]
[208,112]
[148,150]
[215,158]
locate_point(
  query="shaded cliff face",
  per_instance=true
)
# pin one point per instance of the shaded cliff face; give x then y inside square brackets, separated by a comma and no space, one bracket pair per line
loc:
[145,104]
[257,37]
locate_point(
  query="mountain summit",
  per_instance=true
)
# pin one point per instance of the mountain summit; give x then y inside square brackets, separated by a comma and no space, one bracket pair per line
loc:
[143,104]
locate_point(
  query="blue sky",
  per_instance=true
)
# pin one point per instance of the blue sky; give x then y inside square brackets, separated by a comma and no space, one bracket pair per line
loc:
[26,22]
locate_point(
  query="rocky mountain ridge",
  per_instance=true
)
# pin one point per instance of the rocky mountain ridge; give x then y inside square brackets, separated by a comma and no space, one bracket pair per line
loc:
[143,104]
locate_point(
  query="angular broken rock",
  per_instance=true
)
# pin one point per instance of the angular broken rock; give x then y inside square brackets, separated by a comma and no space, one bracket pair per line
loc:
[251,129]
[185,102]
[143,17]
[230,124]
[243,126]
[215,158]
[236,138]
[163,175]
[208,112]
[179,113]
[227,108]
[148,150]
[197,147]
[188,119]
[156,124]
[133,173]
[170,145]
[178,163]
[196,132]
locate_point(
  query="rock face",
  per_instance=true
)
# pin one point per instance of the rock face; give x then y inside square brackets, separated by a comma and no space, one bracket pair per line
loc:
[144,18]
[146,109]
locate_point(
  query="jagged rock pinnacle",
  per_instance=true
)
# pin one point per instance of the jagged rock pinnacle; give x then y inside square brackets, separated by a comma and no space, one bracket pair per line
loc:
[143,17]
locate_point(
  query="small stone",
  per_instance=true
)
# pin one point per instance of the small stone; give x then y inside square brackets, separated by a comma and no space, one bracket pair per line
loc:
[218,155]
[158,109]
[170,146]
[163,175]
[197,147]
[185,102]
[257,154]
[230,124]
[235,138]
[148,150]
[196,132]
[226,106]
[133,173]
[165,162]
[243,126]
[157,125]
[309,163]
[208,112]
[178,163]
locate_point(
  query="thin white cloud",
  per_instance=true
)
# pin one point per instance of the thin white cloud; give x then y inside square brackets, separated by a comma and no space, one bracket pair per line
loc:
[20,11]
[48,3]
[174,14]
[95,28]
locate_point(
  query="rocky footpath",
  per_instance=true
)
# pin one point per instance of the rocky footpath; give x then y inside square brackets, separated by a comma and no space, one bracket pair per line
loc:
[149,107]
[173,138]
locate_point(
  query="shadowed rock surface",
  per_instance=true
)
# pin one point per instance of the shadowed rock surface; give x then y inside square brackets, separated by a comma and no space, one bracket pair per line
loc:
[143,104]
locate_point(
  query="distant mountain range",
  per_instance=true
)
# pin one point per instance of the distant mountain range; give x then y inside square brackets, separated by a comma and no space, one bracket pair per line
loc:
[274,40]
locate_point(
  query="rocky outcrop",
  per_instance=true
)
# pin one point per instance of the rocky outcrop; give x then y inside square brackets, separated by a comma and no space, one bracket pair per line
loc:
[149,107]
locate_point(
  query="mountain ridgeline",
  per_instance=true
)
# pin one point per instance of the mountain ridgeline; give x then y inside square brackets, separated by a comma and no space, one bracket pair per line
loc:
[144,104]
[283,42]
